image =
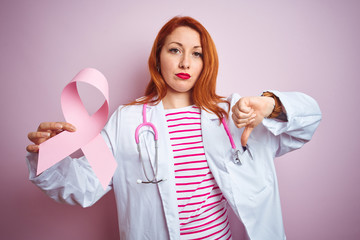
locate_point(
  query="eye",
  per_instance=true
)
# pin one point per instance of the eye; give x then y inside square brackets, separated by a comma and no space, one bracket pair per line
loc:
[198,54]
[174,50]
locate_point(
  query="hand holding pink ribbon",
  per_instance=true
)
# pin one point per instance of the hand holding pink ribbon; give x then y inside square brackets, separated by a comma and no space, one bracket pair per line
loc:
[87,136]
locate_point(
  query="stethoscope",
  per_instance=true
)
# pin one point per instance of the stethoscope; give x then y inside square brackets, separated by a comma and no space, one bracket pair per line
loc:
[154,180]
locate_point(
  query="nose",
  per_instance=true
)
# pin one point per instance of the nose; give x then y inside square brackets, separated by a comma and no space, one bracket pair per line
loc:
[184,62]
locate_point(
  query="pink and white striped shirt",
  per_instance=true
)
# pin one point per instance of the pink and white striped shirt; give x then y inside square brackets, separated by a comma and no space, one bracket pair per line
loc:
[202,207]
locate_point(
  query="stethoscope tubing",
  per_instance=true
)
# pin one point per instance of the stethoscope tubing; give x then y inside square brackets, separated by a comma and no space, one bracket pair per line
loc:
[154,180]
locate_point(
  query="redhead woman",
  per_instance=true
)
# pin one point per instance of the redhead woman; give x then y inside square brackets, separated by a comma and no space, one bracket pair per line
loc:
[212,154]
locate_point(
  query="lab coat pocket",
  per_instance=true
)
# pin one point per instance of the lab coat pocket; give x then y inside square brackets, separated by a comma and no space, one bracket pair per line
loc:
[251,178]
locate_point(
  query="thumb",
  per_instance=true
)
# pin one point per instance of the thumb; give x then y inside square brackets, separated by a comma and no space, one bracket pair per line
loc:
[246,134]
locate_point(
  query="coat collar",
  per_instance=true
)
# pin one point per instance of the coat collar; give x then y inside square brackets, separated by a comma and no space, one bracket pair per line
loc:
[205,115]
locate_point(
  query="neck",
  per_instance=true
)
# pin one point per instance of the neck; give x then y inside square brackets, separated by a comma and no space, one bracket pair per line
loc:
[177,100]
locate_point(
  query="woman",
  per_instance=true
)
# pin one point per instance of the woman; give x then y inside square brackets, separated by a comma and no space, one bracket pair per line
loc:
[196,177]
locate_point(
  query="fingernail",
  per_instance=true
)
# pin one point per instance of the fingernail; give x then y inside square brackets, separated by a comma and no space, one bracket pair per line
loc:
[73,128]
[58,125]
[45,134]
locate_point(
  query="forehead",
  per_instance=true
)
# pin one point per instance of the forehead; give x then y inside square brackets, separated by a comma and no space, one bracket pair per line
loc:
[185,36]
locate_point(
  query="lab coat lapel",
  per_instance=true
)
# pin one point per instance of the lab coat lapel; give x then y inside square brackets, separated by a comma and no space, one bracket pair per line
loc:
[217,147]
[166,171]
[212,133]
[219,154]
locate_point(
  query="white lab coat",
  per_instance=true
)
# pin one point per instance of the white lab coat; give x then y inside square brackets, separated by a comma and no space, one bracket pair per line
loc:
[149,211]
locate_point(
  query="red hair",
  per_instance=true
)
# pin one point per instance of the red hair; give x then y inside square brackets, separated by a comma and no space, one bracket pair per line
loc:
[203,92]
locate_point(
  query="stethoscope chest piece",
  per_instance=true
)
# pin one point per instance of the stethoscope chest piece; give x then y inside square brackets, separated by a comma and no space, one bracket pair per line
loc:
[237,157]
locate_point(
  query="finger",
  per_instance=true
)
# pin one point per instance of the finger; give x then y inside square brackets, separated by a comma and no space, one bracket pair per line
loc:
[67,127]
[32,148]
[53,134]
[235,119]
[34,136]
[45,126]
[240,114]
[56,126]
[246,134]
[241,125]
[245,109]
[244,105]
[243,122]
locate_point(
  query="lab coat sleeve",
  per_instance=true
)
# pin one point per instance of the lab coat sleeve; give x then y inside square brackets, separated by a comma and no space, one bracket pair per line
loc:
[71,180]
[303,117]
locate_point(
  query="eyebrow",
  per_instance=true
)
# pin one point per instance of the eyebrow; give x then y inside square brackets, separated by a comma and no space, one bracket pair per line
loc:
[182,45]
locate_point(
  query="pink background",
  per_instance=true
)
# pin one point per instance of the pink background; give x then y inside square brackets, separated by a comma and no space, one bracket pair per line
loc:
[310,46]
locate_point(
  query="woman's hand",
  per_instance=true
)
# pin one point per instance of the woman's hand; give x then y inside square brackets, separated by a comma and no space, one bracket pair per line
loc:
[248,112]
[45,131]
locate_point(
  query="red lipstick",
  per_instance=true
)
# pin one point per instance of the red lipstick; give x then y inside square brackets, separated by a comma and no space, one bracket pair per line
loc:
[183,75]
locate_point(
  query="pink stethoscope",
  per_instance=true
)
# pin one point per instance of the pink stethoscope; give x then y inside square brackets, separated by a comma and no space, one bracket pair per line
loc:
[154,180]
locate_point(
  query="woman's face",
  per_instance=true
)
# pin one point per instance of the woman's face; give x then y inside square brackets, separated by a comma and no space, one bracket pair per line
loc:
[181,59]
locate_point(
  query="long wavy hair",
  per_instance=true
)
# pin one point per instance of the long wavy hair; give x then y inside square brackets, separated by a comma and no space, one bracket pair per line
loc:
[204,91]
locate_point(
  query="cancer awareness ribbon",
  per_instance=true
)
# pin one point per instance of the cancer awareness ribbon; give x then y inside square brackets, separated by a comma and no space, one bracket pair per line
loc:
[87,135]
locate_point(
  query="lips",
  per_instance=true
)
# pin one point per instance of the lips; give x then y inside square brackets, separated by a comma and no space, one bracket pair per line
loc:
[183,75]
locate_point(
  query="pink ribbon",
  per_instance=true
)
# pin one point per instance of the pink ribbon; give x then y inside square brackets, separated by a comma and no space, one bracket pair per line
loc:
[88,128]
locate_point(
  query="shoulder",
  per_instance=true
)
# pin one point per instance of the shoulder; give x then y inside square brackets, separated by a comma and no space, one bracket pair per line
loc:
[124,115]
[126,111]
[231,99]
[234,97]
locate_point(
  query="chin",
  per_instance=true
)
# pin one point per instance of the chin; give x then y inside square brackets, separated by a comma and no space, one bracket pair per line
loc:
[181,89]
